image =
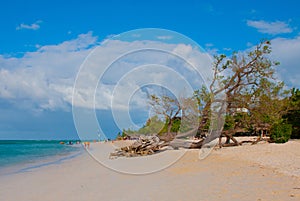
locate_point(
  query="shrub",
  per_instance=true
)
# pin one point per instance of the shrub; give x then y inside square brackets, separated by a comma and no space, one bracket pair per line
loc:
[281,132]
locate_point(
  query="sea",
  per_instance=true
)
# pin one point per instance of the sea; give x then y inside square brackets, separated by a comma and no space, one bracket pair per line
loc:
[26,155]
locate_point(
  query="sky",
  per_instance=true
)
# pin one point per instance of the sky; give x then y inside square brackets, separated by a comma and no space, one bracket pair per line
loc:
[44,43]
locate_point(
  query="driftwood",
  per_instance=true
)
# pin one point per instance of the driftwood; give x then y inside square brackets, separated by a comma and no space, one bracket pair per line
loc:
[229,136]
[145,145]
[190,133]
[259,139]
[237,143]
[167,137]
[179,143]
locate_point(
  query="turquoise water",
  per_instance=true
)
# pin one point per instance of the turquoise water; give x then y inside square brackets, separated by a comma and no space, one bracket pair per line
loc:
[32,153]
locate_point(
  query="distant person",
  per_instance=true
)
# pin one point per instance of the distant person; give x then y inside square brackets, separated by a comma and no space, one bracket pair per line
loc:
[86,144]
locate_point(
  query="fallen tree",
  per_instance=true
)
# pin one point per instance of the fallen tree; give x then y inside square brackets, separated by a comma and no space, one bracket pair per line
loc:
[148,145]
[145,145]
[237,83]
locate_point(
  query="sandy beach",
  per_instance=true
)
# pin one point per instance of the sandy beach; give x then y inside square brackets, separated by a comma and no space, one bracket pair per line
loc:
[249,172]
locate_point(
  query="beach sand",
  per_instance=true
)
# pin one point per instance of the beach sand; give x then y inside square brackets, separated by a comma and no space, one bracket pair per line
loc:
[257,172]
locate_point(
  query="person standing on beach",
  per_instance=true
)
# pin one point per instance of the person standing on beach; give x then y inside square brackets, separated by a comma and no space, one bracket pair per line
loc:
[86,145]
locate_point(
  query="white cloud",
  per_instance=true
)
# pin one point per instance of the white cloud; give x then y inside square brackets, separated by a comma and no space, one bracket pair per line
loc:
[273,28]
[33,26]
[44,79]
[287,52]
[128,64]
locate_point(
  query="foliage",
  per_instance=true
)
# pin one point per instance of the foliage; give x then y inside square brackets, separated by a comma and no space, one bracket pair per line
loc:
[269,103]
[293,115]
[229,122]
[204,100]
[153,125]
[281,132]
[242,71]
[247,81]
[174,128]
[178,115]
[167,106]
[240,77]
[119,136]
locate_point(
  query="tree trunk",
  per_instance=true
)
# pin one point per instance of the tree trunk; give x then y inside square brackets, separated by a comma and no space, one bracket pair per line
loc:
[190,133]
[205,118]
[169,127]
[229,136]
[179,143]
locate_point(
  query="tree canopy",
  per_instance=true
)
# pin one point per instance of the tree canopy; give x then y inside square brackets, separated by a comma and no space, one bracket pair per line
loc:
[245,87]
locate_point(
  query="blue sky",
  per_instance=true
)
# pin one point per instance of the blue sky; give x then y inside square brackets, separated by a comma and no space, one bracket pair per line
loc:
[43,42]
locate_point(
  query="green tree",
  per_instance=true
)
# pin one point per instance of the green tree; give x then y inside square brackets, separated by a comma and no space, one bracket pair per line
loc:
[166,106]
[269,104]
[153,125]
[281,132]
[293,115]
[239,77]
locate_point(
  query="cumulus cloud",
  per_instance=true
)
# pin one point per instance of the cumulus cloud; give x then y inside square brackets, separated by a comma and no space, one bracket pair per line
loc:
[33,26]
[44,79]
[287,52]
[126,59]
[273,28]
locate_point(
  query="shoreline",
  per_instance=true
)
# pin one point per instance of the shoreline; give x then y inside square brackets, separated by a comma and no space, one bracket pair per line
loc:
[231,173]
[26,166]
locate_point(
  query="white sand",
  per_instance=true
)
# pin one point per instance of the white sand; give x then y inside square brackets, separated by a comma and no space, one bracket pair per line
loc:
[284,158]
[259,172]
